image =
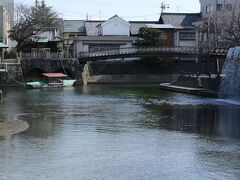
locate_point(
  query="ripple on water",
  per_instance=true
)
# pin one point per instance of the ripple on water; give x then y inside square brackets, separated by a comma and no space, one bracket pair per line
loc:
[193,100]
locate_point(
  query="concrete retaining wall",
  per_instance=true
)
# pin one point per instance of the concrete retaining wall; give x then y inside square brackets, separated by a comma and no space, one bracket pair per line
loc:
[12,76]
[132,79]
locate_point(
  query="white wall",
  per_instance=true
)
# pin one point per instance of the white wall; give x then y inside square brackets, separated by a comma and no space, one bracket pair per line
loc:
[115,28]
[188,43]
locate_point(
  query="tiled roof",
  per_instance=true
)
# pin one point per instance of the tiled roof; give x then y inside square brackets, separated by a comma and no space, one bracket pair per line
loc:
[180,20]
[74,26]
[136,25]
[160,26]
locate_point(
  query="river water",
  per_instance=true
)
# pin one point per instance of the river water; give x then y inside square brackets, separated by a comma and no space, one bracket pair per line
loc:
[119,132]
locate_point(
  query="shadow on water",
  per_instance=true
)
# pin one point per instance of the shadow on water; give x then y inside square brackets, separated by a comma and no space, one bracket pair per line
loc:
[220,121]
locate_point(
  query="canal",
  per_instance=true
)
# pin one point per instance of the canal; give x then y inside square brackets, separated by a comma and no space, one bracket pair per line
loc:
[118,132]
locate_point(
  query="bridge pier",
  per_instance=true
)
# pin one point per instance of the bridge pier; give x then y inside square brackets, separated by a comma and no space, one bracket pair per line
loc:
[85,74]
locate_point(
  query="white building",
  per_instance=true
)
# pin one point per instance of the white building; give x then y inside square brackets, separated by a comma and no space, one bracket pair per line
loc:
[104,35]
[208,7]
[6,20]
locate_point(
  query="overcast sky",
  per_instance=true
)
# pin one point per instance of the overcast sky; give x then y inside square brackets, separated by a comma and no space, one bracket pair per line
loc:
[127,9]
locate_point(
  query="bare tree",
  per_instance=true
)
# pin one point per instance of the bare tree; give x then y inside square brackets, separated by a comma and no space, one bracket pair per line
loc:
[222,29]
[31,21]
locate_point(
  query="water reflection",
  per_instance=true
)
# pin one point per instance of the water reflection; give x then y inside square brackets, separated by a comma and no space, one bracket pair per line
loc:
[119,132]
[229,121]
[222,121]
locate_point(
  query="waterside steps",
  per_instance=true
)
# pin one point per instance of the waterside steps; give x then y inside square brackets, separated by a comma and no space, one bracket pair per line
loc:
[189,90]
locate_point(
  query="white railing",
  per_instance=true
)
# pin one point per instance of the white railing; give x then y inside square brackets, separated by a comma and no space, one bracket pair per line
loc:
[46,56]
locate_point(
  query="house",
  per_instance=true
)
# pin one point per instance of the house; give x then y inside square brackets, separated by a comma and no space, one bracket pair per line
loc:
[137,25]
[49,39]
[73,28]
[185,33]
[167,32]
[104,35]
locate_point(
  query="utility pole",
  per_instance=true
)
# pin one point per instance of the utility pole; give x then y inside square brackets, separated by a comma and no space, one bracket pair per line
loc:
[164,7]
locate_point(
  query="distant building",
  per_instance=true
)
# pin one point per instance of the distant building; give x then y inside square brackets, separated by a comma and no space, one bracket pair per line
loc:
[73,28]
[104,35]
[184,31]
[209,7]
[6,20]
[49,40]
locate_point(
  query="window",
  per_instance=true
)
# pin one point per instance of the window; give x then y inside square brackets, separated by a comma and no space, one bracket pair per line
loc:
[219,7]
[163,35]
[102,47]
[229,7]
[209,8]
[187,36]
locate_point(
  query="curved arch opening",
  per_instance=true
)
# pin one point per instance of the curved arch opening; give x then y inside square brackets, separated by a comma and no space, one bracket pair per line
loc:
[34,74]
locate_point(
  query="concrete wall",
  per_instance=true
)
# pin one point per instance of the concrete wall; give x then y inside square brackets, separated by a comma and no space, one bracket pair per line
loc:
[138,72]
[13,76]
[72,66]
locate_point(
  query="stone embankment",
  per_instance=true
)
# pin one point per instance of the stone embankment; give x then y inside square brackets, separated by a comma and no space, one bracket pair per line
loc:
[203,85]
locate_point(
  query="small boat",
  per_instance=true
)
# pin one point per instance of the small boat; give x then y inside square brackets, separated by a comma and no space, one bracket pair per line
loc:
[52,80]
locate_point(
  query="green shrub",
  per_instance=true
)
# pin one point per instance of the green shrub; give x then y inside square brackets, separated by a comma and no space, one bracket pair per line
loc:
[12,54]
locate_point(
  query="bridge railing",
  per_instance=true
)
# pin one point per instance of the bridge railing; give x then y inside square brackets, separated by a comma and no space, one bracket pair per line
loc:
[140,50]
[123,51]
[46,56]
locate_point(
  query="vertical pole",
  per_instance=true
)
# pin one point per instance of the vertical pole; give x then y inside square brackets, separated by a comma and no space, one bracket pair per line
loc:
[0,95]
[218,67]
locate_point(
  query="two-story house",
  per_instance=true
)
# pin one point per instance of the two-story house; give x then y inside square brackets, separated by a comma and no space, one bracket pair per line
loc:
[184,31]
[104,35]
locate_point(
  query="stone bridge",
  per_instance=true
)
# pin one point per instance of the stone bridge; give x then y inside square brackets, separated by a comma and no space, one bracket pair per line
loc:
[37,63]
[151,51]
[36,66]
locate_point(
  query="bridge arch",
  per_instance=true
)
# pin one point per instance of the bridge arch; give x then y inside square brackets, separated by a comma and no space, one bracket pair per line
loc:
[34,74]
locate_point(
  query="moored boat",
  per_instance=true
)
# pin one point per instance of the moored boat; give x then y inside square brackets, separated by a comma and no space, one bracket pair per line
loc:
[51,80]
